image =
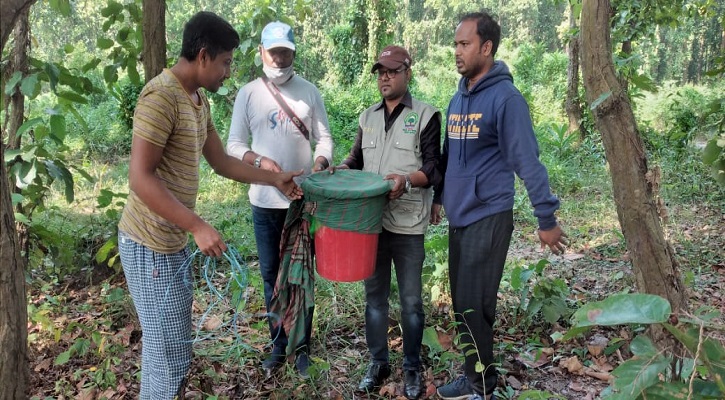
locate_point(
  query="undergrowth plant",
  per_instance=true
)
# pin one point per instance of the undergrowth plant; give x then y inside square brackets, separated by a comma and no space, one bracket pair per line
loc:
[654,373]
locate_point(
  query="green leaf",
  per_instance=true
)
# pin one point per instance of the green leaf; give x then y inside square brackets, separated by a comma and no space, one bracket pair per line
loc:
[539,266]
[104,43]
[91,65]
[30,86]
[643,82]
[72,96]
[122,34]
[63,357]
[104,251]
[27,125]
[10,154]
[64,7]
[16,198]
[53,73]
[642,346]
[89,178]
[109,74]
[19,217]
[68,48]
[131,68]
[430,339]
[539,395]
[711,352]
[600,100]
[12,82]
[621,309]
[636,374]
[57,126]
[96,337]
[25,172]
[711,152]
[112,8]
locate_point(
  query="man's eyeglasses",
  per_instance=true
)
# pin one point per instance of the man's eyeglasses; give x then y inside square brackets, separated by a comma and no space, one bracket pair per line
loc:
[389,72]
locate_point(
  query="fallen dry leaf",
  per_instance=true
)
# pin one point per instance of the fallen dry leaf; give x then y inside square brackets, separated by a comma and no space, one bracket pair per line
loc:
[212,323]
[388,390]
[513,382]
[577,386]
[572,364]
[602,376]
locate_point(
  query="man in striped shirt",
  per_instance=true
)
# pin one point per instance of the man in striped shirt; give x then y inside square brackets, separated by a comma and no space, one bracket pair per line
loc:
[172,129]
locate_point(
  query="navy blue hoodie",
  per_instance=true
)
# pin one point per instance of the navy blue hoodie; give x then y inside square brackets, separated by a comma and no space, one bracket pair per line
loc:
[489,137]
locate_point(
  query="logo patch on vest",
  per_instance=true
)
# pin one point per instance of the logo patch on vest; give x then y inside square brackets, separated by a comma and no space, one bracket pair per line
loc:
[409,123]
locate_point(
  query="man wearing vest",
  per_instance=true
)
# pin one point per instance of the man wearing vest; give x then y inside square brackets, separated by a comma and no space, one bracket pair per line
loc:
[399,139]
[285,118]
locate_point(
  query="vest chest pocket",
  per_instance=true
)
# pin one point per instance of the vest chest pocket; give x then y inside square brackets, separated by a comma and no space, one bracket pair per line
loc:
[406,142]
[368,146]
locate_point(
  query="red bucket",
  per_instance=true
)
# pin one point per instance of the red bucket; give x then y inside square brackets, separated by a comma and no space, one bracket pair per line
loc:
[345,256]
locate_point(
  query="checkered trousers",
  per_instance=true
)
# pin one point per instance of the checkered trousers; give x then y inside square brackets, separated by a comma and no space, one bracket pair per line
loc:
[161,287]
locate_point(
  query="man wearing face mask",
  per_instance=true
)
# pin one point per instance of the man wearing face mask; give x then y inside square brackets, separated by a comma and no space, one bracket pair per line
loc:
[279,123]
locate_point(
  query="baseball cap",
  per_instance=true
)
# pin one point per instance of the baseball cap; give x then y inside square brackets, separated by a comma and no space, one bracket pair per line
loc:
[278,34]
[393,57]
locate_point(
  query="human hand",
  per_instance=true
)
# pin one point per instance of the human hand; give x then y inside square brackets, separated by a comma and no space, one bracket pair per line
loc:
[269,164]
[320,164]
[331,169]
[398,185]
[208,240]
[555,238]
[435,214]
[286,184]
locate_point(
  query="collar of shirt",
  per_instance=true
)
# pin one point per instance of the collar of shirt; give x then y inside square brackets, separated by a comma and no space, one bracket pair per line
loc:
[406,101]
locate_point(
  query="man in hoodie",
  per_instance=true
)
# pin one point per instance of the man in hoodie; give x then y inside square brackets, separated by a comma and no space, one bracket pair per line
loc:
[489,137]
[285,118]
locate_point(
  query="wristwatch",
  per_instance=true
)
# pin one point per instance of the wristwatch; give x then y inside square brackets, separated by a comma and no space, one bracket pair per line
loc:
[258,162]
[408,183]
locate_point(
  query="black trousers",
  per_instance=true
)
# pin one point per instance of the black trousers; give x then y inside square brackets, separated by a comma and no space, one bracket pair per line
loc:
[477,254]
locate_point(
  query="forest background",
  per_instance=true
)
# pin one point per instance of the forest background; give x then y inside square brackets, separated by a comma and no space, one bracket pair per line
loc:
[67,158]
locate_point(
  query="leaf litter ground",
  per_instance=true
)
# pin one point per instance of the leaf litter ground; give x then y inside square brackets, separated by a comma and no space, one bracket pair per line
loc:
[102,340]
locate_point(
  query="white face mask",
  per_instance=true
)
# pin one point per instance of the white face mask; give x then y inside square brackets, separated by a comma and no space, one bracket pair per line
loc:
[278,76]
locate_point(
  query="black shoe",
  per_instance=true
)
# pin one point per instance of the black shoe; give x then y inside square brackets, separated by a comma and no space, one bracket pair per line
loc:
[374,377]
[302,363]
[274,360]
[413,384]
[458,389]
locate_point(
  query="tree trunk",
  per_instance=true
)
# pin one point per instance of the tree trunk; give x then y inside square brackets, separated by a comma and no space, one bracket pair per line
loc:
[573,105]
[154,38]
[19,62]
[13,307]
[634,187]
[16,117]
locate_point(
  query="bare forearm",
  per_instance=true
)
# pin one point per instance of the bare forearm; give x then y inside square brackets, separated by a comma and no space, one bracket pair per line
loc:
[241,171]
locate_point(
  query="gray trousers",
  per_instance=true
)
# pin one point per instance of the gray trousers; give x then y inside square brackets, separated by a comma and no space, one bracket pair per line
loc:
[161,287]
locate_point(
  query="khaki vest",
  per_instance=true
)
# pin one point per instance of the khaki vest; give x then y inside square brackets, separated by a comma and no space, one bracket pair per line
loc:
[398,152]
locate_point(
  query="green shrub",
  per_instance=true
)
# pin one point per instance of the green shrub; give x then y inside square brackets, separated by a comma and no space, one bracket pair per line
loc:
[128,94]
[107,136]
[344,106]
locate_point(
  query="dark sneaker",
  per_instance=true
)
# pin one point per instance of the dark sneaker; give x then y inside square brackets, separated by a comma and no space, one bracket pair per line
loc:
[302,363]
[413,384]
[274,360]
[374,377]
[458,389]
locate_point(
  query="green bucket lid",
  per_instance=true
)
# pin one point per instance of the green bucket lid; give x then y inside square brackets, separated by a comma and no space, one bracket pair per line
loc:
[345,184]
